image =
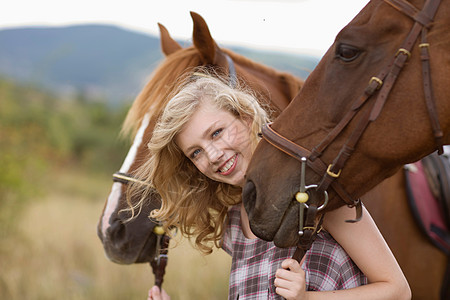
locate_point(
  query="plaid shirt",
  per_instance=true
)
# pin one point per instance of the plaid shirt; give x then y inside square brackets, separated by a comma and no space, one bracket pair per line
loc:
[255,261]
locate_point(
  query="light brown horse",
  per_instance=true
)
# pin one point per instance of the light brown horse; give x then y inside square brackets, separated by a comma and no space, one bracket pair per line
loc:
[371,77]
[135,242]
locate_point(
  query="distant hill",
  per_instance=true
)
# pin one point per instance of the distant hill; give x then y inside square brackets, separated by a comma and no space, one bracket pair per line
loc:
[102,60]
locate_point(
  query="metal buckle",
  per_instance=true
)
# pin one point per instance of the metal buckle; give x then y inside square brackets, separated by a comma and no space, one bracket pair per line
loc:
[334,175]
[403,51]
[377,80]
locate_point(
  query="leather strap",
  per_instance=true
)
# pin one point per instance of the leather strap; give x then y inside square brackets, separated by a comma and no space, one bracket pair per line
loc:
[298,254]
[159,263]
[231,71]
[409,10]
[310,230]
[296,151]
[126,178]
[428,92]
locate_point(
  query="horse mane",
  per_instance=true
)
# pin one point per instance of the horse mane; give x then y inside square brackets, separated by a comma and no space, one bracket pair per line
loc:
[155,93]
[294,83]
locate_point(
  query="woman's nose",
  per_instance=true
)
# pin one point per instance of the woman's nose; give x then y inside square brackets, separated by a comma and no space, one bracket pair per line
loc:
[214,153]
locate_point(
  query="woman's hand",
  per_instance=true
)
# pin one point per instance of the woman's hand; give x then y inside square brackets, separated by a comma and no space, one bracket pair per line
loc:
[290,280]
[155,294]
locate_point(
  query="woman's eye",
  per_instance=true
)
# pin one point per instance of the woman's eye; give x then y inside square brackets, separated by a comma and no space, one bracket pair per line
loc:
[195,153]
[347,53]
[217,132]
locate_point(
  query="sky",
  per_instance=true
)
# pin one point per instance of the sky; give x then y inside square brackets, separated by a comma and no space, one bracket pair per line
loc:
[297,26]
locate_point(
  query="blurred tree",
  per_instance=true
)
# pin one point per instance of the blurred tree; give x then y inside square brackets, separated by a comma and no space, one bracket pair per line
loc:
[39,132]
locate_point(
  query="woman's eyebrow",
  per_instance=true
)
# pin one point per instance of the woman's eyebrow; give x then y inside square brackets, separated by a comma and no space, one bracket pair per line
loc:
[209,129]
[205,135]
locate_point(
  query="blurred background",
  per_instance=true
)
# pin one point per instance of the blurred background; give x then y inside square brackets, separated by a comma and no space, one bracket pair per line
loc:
[64,91]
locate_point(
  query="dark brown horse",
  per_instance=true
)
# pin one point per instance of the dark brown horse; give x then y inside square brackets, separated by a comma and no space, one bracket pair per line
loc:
[423,264]
[135,242]
[364,112]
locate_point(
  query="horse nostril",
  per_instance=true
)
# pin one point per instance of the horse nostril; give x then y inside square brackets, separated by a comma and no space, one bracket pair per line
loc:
[249,195]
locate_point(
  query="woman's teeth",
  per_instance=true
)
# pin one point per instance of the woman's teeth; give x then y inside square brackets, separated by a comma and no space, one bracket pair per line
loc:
[228,165]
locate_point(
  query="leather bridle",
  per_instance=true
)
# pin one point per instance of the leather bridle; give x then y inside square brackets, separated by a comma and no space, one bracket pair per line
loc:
[379,86]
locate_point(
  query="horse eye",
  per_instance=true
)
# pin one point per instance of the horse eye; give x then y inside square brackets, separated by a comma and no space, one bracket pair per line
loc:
[347,53]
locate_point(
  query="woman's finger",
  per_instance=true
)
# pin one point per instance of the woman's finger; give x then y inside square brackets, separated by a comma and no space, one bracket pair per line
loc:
[292,265]
[154,293]
[290,280]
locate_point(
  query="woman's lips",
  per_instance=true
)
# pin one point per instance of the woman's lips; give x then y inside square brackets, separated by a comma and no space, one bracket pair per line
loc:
[228,166]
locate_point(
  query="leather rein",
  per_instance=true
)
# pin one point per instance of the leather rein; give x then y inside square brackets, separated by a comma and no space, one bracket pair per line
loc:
[380,85]
[159,262]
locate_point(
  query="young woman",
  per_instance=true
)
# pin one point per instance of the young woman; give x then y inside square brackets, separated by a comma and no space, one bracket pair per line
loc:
[200,150]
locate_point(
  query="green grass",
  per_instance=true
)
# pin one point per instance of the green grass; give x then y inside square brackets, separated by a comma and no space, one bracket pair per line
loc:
[53,251]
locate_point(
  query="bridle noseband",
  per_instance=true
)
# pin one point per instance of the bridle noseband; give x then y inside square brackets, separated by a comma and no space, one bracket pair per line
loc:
[126,178]
[380,85]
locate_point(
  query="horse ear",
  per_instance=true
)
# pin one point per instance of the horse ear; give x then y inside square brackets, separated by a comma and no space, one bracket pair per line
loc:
[168,44]
[203,40]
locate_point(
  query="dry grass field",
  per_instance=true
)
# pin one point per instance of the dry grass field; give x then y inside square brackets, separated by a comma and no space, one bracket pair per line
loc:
[53,252]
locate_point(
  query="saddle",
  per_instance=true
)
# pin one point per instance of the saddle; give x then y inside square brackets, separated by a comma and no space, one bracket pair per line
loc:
[428,187]
[437,172]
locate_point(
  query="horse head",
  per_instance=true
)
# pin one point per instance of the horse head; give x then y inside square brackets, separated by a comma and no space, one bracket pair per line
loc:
[134,241]
[362,114]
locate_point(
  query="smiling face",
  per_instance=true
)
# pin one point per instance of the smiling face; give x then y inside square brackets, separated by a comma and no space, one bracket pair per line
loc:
[218,143]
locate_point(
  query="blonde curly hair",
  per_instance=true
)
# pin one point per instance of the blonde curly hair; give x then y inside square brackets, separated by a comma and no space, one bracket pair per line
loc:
[191,202]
